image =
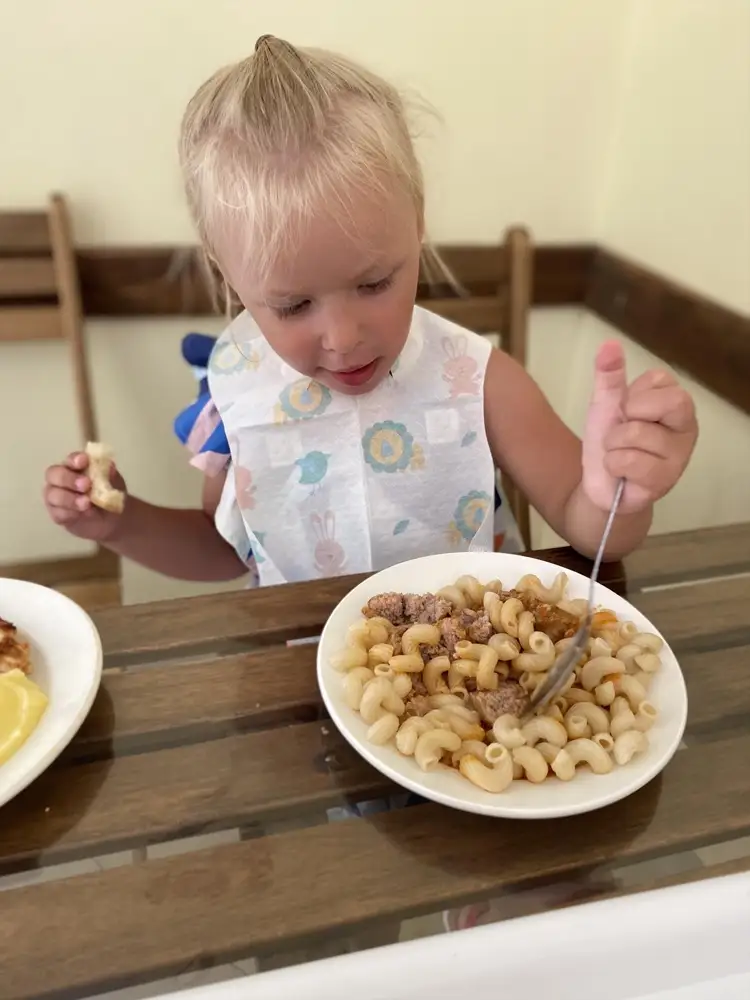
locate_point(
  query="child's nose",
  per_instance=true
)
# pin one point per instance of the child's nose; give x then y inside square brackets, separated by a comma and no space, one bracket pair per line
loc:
[342,333]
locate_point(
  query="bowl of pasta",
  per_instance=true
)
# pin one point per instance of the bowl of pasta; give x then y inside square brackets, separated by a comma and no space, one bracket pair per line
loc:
[426,669]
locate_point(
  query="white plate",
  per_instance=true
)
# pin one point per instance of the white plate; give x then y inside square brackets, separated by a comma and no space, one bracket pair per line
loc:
[587,791]
[66,660]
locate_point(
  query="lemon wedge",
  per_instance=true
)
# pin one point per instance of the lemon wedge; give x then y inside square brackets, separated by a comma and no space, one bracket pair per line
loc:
[22,704]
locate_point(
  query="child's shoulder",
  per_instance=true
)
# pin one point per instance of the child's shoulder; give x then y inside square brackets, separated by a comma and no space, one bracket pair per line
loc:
[449,337]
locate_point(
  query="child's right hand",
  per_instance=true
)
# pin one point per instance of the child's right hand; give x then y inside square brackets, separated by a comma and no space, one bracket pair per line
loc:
[66,497]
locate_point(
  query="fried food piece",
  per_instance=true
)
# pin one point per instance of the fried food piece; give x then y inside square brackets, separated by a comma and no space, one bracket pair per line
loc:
[14,654]
[102,493]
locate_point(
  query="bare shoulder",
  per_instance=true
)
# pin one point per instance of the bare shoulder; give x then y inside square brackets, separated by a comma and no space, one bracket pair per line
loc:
[504,371]
[528,440]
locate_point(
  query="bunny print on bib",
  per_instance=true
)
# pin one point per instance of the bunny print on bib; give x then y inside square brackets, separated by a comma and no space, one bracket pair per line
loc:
[461,370]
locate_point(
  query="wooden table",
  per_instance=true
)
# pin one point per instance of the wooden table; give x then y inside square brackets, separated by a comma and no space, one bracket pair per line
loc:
[206,722]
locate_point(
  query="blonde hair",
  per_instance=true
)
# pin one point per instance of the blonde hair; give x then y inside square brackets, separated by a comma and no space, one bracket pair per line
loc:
[266,141]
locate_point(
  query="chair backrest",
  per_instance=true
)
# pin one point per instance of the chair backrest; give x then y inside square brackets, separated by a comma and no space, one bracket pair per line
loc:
[39,292]
[504,312]
[40,300]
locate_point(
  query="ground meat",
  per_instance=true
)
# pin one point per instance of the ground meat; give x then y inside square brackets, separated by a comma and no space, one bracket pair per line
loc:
[453,632]
[396,638]
[509,699]
[417,685]
[426,609]
[408,609]
[465,625]
[430,652]
[417,704]
[390,606]
[480,629]
[551,620]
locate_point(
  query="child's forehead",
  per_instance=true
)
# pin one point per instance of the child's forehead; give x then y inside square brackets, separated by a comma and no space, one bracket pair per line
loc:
[332,248]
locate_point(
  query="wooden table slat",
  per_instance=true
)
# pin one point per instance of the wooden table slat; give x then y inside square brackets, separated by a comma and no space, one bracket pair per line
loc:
[708,614]
[154,630]
[150,920]
[248,778]
[186,701]
[162,704]
[680,556]
[272,614]
[166,706]
[132,801]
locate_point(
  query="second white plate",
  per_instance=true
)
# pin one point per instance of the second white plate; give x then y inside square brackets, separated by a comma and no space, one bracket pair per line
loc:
[66,659]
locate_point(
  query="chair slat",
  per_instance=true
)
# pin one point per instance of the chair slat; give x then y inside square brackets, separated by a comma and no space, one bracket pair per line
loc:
[24,232]
[71,313]
[482,315]
[30,323]
[27,277]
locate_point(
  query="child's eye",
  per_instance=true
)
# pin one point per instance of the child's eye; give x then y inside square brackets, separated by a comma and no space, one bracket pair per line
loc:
[373,287]
[286,312]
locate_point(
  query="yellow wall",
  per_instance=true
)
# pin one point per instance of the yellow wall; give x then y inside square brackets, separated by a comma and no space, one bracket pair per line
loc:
[546,108]
[93,92]
[676,197]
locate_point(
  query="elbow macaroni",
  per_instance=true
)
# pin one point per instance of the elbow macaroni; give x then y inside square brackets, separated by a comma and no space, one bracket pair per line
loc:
[415,694]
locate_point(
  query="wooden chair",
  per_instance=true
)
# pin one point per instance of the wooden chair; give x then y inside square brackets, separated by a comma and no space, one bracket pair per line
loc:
[498,303]
[40,300]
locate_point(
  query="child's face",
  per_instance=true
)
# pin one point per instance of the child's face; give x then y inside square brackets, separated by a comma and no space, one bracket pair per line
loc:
[338,308]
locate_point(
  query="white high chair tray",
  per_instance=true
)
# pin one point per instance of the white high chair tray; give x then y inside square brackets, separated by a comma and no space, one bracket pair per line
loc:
[687,942]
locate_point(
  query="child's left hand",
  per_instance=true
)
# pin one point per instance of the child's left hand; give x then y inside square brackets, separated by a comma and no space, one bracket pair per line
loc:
[644,432]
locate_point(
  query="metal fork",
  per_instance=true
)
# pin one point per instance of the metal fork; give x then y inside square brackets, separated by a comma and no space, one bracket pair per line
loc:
[566,663]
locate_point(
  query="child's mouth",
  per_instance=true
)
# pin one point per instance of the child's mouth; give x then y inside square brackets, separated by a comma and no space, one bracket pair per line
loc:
[356,376]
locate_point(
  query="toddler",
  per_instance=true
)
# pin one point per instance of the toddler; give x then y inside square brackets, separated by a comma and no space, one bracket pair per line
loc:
[346,428]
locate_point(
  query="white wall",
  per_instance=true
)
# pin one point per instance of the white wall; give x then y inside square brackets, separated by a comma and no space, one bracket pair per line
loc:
[545,107]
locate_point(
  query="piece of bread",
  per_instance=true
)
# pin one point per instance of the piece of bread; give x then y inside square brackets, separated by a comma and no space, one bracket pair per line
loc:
[102,493]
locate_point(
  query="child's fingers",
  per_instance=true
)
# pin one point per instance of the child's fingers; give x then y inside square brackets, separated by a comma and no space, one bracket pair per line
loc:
[64,478]
[77,461]
[64,506]
[61,499]
[610,379]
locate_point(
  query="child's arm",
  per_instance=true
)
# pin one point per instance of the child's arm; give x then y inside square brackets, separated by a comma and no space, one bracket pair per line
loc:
[545,459]
[183,544]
